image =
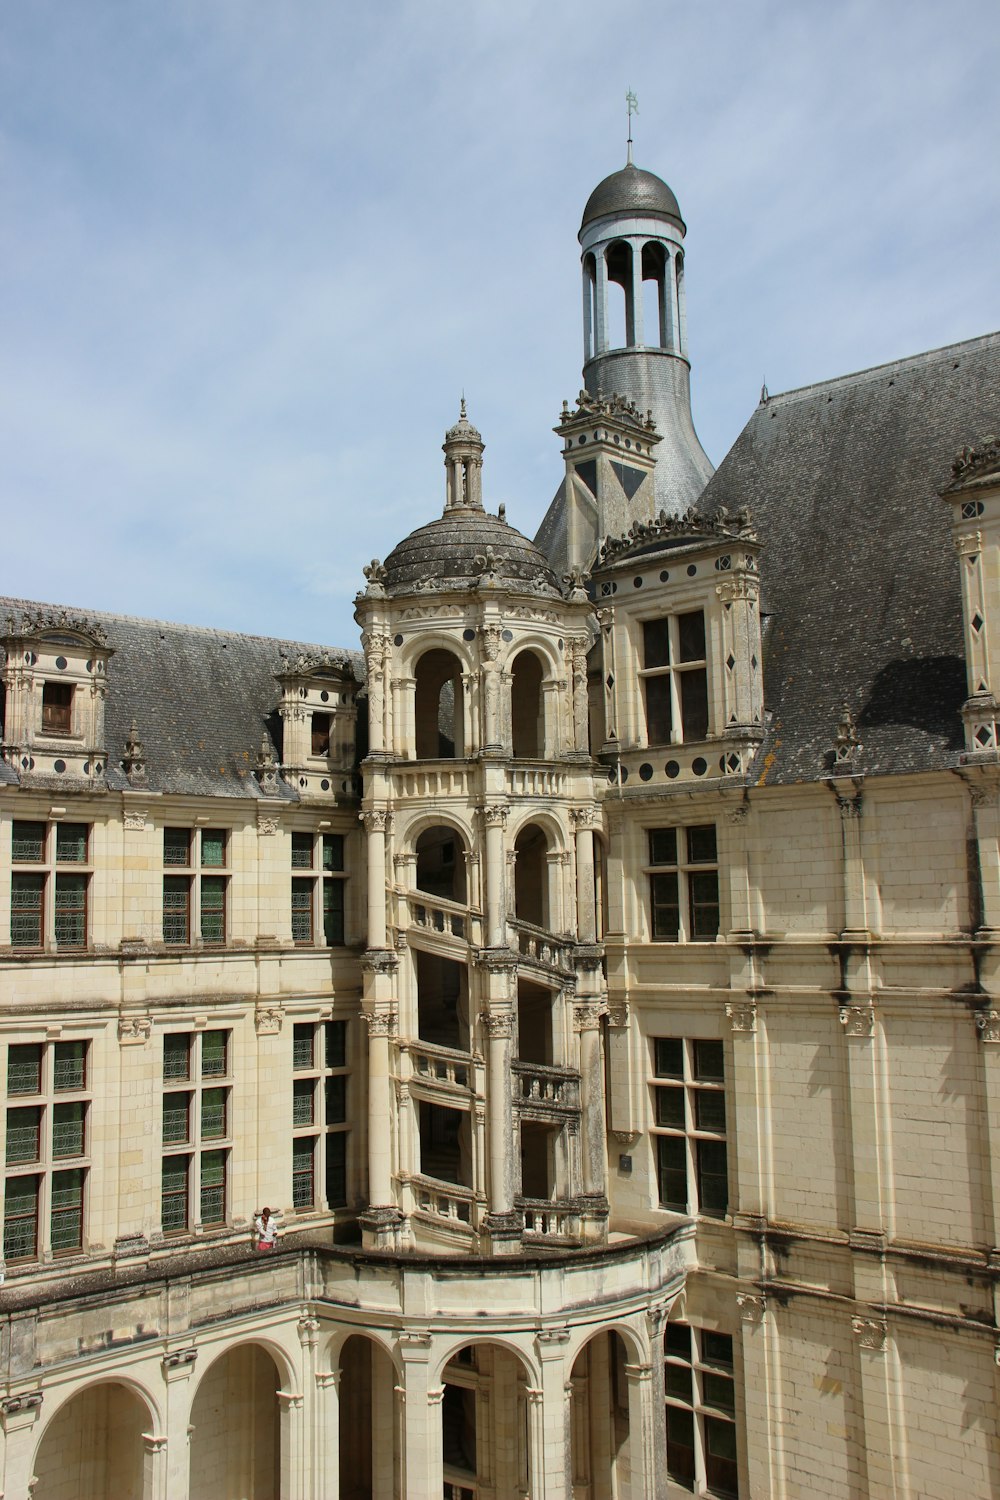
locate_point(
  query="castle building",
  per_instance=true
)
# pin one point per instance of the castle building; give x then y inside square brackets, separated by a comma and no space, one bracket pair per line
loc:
[597,973]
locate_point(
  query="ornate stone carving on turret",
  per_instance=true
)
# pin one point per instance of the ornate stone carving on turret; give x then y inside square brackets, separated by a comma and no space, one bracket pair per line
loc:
[974,497]
[134,759]
[55,680]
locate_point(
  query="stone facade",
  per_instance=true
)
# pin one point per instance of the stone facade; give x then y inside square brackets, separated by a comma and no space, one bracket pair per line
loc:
[596,974]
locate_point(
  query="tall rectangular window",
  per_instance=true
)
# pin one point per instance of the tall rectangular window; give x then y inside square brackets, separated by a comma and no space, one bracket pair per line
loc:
[49,906]
[71,911]
[213,1187]
[20,1218]
[700,1387]
[196,893]
[27,910]
[196,1116]
[176,909]
[303,1171]
[683,884]
[302,910]
[319,1100]
[689,1125]
[66,1231]
[318,904]
[174,1189]
[213,908]
[57,708]
[44,1208]
[27,844]
[674,676]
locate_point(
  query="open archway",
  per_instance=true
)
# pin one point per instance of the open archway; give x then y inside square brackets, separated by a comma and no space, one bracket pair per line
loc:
[527,715]
[531,876]
[235,1428]
[440,855]
[606,1464]
[485,1424]
[369,1453]
[93,1449]
[438,706]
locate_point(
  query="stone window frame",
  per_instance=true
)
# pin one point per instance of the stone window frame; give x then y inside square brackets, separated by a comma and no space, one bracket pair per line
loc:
[327,1040]
[684,1101]
[315,880]
[694,1379]
[201,1078]
[50,1095]
[694,879]
[207,889]
[675,670]
[50,872]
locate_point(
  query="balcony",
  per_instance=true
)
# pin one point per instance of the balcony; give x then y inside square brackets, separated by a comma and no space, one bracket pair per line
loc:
[545,1093]
[440,1066]
[541,950]
[551,1223]
[433,914]
[537,779]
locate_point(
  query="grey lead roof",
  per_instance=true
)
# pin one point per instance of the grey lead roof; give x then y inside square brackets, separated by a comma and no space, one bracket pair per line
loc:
[632,190]
[201,698]
[860,581]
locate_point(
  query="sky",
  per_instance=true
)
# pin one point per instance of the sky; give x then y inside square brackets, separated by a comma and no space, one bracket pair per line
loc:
[252,254]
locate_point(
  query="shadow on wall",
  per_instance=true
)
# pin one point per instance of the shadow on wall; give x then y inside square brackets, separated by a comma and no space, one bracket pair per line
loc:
[926,693]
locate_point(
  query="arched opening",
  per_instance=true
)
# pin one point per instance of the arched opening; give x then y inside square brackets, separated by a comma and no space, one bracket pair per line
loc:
[484,1425]
[441,864]
[369,1454]
[438,706]
[442,1001]
[531,876]
[445,1143]
[527,713]
[235,1433]
[534,1023]
[589,307]
[681,335]
[621,321]
[93,1449]
[599,1422]
[654,295]
[539,1166]
[601,884]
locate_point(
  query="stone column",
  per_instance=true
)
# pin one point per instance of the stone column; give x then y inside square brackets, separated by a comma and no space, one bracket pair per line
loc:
[601,303]
[381,1223]
[988,1027]
[154,1468]
[587,1022]
[375,821]
[551,738]
[376,644]
[308,1331]
[291,1484]
[502,1224]
[656,1320]
[583,819]
[588,315]
[642,1449]
[18,1416]
[577,651]
[178,1366]
[422,1458]
[881,1396]
[405,728]
[326,1474]
[495,819]
[635,250]
[847,790]
[762,1397]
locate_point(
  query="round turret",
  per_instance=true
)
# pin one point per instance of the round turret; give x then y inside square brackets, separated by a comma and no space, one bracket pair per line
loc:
[461,546]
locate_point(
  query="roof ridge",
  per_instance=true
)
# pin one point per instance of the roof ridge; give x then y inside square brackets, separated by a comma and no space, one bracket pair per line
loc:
[9,602]
[872,372]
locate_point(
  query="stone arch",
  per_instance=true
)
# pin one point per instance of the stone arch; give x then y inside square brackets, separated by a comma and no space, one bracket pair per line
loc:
[606,1418]
[92,1447]
[532,894]
[440,864]
[655,317]
[439,704]
[618,258]
[589,305]
[446,1352]
[235,1424]
[486,1417]
[527,705]
[370,1458]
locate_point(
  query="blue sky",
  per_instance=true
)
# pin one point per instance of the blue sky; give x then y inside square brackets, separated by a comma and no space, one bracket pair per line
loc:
[251,254]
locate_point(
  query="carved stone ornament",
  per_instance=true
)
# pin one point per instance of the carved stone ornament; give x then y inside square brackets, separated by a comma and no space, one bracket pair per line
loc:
[376,820]
[850,807]
[492,638]
[742,1015]
[847,743]
[626,1138]
[976,463]
[267,1020]
[737,527]
[134,1029]
[871,1333]
[552,1338]
[414,1339]
[179,1359]
[618,1015]
[588,1017]
[381,1023]
[988,1024]
[134,759]
[266,826]
[379,961]
[135,819]
[495,815]
[969,544]
[738,815]
[266,769]
[752,1306]
[497,1023]
[31,1401]
[584,817]
[857,1020]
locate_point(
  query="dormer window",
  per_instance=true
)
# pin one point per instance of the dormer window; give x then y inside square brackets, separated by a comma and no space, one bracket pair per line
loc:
[57,708]
[674,676]
[321,733]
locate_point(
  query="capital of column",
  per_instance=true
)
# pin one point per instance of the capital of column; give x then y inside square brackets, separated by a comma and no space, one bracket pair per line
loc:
[871,1333]
[858,1020]
[178,1363]
[495,814]
[376,820]
[308,1329]
[379,961]
[752,1306]
[988,1024]
[134,1029]
[497,1023]
[381,1023]
[742,1015]
[267,1020]
[588,1017]
[584,817]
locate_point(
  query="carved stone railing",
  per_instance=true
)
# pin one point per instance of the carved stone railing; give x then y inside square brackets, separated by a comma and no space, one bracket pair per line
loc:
[537,780]
[549,1221]
[544,1090]
[439,1065]
[445,1200]
[435,914]
[432,778]
[539,948]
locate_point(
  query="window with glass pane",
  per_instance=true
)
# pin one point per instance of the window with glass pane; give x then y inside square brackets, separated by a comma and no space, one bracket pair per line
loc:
[672,1165]
[213,1114]
[27,905]
[303,1090]
[69,1066]
[700,1392]
[213,848]
[680,1446]
[24,1068]
[675,678]
[69,1129]
[213,908]
[71,843]
[721,1472]
[684,884]
[302,906]
[213,1187]
[689,1122]
[333,912]
[24,1134]
[302,1044]
[709,1062]
[336,1100]
[27,843]
[67,1210]
[666,911]
[174,1193]
[321,733]
[215,1054]
[333,851]
[302,851]
[71,911]
[177,1055]
[303,1158]
[176,905]
[713,1178]
[176,846]
[336,1044]
[20,1218]
[336,1169]
[176,1118]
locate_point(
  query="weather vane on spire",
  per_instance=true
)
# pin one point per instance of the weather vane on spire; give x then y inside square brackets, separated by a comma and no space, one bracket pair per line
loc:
[632,104]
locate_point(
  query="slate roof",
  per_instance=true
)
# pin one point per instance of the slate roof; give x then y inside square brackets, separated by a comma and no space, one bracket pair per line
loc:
[452,549]
[860,580]
[202,700]
[631,190]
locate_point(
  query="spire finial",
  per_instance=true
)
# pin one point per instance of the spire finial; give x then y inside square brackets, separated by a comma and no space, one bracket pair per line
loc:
[632,104]
[461,409]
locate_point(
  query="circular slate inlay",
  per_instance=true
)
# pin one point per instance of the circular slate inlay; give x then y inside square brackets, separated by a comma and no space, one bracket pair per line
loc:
[624,773]
[637,583]
[397,640]
[699,765]
[59,765]
[645,771]
[468,635]
[673,770]
[90,666]
[692,569]
[664,576]
[61,663]
[325,696]
[324,786]
[86,768]
[506,635]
